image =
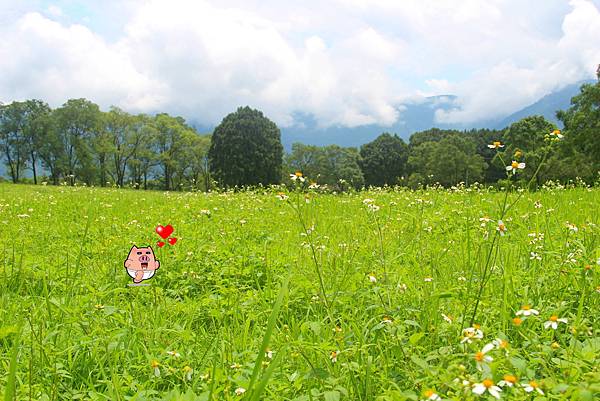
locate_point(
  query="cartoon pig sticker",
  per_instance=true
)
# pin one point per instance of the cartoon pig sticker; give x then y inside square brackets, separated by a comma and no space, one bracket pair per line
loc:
[141,263]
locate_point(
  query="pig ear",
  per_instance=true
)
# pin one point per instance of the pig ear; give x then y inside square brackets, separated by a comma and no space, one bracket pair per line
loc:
[133,247]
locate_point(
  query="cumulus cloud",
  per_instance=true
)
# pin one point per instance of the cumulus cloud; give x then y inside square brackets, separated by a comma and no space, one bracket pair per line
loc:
[347,62]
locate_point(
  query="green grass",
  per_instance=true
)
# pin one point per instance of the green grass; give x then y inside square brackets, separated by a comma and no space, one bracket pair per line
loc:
[71,328]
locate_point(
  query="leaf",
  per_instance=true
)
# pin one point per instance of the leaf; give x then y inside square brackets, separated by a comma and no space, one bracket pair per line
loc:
[10,389]
[331,395]
[415,338]
[420,362]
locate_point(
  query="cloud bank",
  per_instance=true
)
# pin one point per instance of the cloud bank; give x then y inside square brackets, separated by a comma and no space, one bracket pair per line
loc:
[347,62]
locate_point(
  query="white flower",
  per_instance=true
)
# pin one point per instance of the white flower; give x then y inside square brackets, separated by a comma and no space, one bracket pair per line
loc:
[534,255]
[532,386]
[527,311]
[489,386]
[507,381]
[174,354]
[514,166]
[372,278]
[481,358]
[495,145]
[240,391]
[431,395]
[553,322]
[501,228]
[188,372]
[447,318]
[428,279]
[470,334]
[282,196]
[333,356]
[297,176]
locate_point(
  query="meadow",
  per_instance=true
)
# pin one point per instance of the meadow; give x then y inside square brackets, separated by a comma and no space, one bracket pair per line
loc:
[301,294]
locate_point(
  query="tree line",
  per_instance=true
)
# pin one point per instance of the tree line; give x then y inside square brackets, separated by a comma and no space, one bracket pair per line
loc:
[79,143]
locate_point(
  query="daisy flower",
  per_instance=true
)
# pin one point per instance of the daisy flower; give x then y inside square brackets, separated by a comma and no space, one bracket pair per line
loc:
[156,366]
[174,354]
[431,395]
[508,381]
[240,391]
[470,334]
[556,133]
[282,196]
[527,311]
[372,278]
[489,386]
[532,386]
[514,166]
[495,145]
[188,372]
[297,176]
[501,228]
[553,322]
[333,356]
[481,358]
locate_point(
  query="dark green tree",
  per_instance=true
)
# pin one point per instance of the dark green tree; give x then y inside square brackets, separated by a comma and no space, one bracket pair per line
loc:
[582,127]
[77,122]
[12,138]
[383,161]
[246,150]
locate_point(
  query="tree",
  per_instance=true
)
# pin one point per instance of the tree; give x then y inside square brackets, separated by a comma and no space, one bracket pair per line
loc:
[144,157]
[332,165]
[246,149]
[12,138]
[582,124]
[448,161]
[169,140]
[36,131]
[383,160]
[77,121]
[528,136]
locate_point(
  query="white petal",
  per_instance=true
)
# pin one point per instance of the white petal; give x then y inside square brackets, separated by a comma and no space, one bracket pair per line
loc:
[554,325]
[547,324]
[487,348]
[508,168]
[521,165]
[491,146]
[535,311]
[495,391]
[479,389]
[563,320]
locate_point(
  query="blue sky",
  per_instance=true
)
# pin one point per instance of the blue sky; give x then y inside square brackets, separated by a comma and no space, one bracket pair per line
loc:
[347,62]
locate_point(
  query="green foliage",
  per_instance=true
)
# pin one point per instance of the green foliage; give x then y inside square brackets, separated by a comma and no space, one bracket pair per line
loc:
[384,160]
[448,159]
[332,165]
[246,150]
[582,126]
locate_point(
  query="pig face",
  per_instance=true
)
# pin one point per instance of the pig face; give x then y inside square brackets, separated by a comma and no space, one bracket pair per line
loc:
[141,259]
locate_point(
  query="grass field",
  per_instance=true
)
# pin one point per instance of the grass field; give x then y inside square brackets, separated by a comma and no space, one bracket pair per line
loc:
[378,295]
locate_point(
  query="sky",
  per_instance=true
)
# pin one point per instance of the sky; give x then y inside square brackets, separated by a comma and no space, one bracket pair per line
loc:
[345,62]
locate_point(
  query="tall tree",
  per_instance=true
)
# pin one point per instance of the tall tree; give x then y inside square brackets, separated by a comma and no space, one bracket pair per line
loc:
[77,121]
[246,149]
[383,160]
[582,123]
[169,144]
[12,137]
[36,131]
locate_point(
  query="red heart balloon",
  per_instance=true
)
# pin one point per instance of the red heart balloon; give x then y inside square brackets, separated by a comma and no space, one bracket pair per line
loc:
[172,240]
[164,232]
[160,244]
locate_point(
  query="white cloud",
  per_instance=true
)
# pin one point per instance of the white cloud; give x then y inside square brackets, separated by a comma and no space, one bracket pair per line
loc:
[347,62]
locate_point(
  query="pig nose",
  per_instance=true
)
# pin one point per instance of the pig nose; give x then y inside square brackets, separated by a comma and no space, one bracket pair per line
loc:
[144,259]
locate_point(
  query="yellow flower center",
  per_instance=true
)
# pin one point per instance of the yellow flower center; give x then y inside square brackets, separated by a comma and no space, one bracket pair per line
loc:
[298,174]
[556,132]
[154,364]
[517,321]
[487,383]
[518,153]
[479,356]
[497,144]
[428,393]
[526,307]
[476,326]
[534,384]
[502,227]
[503,344]
[553,318]
[510,379]
[514,164]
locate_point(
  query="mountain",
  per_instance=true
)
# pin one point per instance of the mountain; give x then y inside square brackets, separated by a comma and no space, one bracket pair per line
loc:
[418,116]
[546,106]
